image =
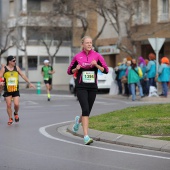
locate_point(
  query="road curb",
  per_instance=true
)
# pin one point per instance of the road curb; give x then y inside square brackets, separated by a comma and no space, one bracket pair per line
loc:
[125,140]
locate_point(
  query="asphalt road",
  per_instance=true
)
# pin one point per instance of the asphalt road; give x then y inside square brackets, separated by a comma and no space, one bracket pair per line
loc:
[40,140]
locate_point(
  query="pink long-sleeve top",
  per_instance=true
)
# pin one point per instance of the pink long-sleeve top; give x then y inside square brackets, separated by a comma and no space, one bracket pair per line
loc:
[87,75]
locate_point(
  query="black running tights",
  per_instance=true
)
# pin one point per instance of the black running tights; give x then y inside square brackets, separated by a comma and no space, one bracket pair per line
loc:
[86,99]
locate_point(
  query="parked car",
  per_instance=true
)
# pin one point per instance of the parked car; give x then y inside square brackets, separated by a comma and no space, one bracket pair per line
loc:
[104,81]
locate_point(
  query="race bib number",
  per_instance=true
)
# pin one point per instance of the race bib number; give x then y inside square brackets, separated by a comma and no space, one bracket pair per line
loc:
[46,79]
[12,84]
[88,77]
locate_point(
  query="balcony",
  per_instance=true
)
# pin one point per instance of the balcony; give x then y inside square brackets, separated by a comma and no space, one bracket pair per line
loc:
[54,43]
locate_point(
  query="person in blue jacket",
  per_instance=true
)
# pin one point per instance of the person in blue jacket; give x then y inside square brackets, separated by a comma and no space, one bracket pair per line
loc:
[122,71]
[151,70]
[142,65]
[164,75]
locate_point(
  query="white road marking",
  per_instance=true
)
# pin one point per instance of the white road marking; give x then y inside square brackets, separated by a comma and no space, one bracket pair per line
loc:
[42,130]
[28,103]
[55,95]
[104,103]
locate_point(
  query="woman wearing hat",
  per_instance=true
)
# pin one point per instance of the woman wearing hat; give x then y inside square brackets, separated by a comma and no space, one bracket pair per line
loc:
[163,75]
[151,69]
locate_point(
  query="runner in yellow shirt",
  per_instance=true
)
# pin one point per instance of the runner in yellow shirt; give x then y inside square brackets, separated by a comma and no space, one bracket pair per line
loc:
[11,73]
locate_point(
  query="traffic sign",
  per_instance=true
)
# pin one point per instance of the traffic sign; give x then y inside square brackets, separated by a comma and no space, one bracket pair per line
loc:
[156,43]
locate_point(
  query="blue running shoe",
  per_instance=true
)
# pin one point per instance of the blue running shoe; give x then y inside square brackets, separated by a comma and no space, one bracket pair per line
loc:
[87,140]
[77,124]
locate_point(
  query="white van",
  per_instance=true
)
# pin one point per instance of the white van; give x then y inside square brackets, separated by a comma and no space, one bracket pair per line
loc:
[104,80]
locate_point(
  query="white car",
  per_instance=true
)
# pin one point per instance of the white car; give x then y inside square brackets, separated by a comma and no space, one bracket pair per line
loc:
[104,80]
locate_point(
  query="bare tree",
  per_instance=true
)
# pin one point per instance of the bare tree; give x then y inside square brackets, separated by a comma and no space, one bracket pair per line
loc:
[58,28]
[6,39]
[95,8]
[22,43]
[55,41]
[120,14]
[128,18]
[78,12]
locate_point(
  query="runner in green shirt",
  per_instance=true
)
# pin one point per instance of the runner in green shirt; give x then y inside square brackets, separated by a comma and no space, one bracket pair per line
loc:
[47,72]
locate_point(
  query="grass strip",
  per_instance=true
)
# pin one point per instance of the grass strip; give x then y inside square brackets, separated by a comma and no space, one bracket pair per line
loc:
[150,120]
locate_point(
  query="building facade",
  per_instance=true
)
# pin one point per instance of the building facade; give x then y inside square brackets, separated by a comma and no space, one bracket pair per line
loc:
[34,23]
[151,20]
[37,35]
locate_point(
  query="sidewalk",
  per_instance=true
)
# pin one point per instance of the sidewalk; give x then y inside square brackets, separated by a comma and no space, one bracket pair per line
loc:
[157,99]
[138,142]
[62,87]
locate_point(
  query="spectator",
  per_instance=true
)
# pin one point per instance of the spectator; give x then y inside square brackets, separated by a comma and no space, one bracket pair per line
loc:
[151,69]
[119,83]
[133,79]
[163,75]
[146,80]
[142,65]
[122,70]
[128,68]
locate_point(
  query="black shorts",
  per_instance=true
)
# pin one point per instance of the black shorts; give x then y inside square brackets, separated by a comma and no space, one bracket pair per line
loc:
[13,94]
[49,81]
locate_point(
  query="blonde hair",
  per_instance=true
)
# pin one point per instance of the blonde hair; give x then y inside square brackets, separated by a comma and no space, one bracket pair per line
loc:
[82,40]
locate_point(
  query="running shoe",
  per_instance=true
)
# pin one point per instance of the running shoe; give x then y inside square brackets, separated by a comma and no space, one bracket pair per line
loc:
[77,124]
[88,140]
[10,121]
[16,117]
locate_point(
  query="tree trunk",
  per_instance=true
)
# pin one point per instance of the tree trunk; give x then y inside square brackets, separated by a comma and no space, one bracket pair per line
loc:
[26,67]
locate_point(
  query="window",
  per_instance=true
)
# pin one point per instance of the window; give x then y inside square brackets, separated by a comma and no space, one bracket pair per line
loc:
[42,60]
[165,6]
[142,12]
[49,34]
[20,62]
[61,60]
[146,11]
[33,5]
[163,10]
[62,6]
[32,62]
[11,8]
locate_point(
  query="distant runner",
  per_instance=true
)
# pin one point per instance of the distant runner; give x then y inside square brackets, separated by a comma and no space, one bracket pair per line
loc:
[47,72]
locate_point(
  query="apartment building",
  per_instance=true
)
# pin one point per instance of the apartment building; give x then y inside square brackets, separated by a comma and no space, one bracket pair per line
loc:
[3,16]
[33,22]
[151,20]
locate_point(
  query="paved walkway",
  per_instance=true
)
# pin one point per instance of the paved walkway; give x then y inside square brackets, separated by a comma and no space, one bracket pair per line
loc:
[139,142]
